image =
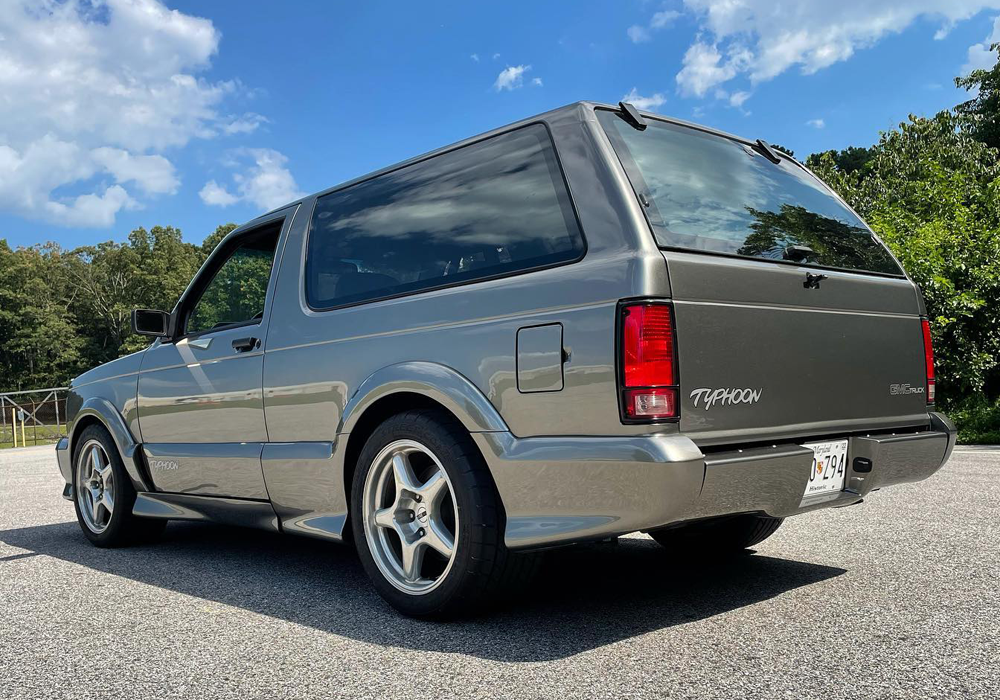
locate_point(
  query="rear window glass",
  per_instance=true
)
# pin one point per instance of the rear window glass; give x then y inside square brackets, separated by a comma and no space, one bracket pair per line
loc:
[715,194]
[488,209]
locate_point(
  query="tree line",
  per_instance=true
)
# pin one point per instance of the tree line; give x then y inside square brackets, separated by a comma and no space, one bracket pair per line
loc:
[65,311]
[929,189]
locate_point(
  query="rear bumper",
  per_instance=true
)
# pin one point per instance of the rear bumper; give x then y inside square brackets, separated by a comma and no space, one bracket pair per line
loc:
[561,490]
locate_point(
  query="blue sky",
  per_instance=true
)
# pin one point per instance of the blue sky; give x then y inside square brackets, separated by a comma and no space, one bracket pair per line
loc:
[123,113]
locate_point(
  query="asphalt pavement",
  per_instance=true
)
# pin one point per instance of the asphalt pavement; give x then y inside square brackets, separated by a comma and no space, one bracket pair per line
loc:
[896,598]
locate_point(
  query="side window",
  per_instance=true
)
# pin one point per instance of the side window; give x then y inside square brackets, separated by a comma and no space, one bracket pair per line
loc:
[483,210]
[235,294]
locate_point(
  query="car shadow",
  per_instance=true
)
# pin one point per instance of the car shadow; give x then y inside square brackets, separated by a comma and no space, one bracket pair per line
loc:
[585,597]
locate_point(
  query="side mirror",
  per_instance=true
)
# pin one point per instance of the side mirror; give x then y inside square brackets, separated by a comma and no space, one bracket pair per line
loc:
[150,322]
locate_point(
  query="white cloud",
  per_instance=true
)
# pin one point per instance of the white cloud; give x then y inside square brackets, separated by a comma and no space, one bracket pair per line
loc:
[705,67]
[92,94]
[816,123]
[663,19]
[638,34]
[511,78]
[496,56]
[980,56]
[474,57]
[247,124]
[645,103]
[215,194]
[762,39]
[738,98]
[537,82]
[259,178]
[153,174]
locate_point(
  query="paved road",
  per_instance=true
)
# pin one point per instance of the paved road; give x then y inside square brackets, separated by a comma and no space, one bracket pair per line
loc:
[895,598]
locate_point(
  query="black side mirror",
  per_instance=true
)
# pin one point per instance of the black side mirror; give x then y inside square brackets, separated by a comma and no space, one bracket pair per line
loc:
[150,322]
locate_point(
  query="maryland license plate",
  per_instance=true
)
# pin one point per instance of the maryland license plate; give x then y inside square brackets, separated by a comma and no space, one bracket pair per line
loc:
[829,467]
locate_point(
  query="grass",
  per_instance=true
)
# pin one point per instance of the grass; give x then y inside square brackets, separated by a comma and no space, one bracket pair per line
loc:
[40,435]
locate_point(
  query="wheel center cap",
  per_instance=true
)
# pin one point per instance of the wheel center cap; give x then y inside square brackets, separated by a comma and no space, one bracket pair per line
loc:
[422,514]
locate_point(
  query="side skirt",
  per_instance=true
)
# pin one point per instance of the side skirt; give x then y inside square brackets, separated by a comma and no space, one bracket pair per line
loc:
[229,511]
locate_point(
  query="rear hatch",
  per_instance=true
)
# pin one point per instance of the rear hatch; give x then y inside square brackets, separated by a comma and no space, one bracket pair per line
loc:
[792,318]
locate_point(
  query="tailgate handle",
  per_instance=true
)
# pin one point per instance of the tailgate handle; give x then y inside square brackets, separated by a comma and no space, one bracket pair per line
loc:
[812,281]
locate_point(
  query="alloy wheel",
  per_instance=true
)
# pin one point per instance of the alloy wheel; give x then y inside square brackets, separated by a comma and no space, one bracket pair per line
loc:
[410,517]
[95,487]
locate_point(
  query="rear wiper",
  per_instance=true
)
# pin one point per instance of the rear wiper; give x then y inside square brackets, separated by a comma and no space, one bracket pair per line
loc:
[769,153]
[630,114]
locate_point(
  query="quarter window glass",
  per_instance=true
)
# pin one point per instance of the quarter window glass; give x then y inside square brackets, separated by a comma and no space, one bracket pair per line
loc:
[237,291]
[482,210]
[712,193]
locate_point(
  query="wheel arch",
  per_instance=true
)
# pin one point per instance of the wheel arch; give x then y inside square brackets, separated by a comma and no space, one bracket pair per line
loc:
[407,386]
[100,411]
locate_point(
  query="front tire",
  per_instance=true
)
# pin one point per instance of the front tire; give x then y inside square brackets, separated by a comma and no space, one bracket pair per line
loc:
[427,520]
[103,494]
[718,536]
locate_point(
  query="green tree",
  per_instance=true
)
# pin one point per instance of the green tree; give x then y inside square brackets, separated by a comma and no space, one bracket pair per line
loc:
[848,160]
[930,190]
[215,238]
[39,342]
[980,115]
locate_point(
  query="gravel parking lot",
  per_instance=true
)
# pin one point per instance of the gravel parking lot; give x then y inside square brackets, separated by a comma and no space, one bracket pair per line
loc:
[898,597]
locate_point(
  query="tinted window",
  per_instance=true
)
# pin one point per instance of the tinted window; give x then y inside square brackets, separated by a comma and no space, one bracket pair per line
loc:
[712,193]
[483,210]
[238,288]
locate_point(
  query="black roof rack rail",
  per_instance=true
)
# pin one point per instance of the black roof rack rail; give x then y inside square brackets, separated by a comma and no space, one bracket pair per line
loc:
[631,115]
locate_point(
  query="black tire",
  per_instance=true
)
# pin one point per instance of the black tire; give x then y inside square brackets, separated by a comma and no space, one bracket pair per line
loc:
[123,528]
[483,570]
[718,536]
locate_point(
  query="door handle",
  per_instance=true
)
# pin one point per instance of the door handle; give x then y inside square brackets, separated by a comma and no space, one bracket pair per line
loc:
[244,344]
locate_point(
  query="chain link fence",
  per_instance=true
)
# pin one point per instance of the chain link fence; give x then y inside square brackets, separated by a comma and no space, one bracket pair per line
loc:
[35,417]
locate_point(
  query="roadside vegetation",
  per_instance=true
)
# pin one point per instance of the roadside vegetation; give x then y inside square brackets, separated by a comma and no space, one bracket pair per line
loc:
[929,188]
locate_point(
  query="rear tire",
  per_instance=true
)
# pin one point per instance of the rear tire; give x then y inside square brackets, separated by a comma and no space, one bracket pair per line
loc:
[427,520]
[719,536]
[103,494]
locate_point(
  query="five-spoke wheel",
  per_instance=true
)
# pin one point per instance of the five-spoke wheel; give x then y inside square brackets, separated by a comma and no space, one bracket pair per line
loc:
[95,486]
[427,519]
[103,493]
[410,516]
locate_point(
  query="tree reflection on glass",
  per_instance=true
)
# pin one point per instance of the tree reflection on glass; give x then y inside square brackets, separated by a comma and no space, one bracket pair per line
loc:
[833,242]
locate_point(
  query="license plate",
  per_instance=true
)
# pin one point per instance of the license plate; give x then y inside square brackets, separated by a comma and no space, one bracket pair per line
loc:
[829,467]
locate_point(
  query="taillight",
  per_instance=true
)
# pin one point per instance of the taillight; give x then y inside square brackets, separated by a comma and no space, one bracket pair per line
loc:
[928,359]
[648,365]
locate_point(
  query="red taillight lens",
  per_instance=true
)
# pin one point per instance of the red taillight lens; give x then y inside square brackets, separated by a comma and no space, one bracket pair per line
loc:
[928,359]
[648,368]
[648,345]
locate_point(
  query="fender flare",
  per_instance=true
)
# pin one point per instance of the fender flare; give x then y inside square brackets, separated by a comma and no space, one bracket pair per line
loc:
[435,381]
[108,416]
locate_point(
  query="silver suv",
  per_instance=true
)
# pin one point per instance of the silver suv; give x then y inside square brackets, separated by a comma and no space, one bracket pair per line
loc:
[592,322]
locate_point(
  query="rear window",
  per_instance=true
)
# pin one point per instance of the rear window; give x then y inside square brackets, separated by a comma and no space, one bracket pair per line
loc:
[715,194]
[489,209]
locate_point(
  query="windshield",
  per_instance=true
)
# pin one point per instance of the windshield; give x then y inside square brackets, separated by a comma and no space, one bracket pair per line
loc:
[711,193]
